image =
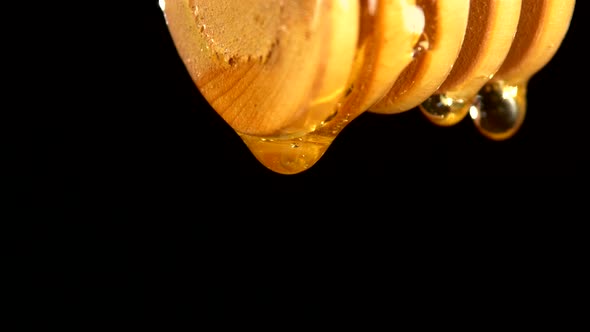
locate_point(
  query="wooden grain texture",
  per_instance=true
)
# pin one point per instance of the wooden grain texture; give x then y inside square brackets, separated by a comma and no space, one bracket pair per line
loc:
[283,80]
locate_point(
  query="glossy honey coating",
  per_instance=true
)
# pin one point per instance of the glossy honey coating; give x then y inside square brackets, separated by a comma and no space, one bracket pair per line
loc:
[492,23]
[383,52]
[434,56]
[289,75]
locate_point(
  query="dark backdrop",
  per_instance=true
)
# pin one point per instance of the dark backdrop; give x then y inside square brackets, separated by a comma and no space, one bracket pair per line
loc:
[119,142]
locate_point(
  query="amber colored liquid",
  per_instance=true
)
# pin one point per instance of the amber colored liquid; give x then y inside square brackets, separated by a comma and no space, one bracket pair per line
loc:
[291,155]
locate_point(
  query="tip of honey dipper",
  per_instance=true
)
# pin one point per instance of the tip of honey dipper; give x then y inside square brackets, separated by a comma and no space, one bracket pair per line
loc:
[288,156]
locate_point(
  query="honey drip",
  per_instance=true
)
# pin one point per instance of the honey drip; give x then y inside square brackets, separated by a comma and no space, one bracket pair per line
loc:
[499,109]
[288,76]
[294,155]
[444,110]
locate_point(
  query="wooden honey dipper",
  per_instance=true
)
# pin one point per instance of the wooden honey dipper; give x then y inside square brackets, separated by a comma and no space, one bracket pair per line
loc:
[289,75]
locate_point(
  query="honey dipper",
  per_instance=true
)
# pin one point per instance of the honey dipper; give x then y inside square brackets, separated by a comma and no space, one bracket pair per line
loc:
[289,75]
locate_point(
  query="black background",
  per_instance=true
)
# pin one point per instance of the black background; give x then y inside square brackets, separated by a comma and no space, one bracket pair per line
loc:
[159,193]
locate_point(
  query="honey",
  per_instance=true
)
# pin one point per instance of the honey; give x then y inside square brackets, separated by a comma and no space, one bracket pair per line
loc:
[490,23]
[498,109]
[288,76]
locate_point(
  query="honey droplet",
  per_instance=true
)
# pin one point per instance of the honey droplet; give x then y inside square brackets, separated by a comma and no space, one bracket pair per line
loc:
[290,155]
[499,109]
[443,110]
